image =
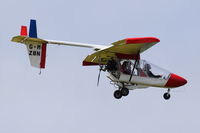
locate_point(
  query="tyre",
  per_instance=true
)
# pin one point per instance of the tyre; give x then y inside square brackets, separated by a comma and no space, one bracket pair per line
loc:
[117,94]
[166,96]
[125,91]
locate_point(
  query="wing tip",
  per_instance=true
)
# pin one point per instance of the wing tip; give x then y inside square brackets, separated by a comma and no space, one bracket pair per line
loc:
[88,63]
[142,40]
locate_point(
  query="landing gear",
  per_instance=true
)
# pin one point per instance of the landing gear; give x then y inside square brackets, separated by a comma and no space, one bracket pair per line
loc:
[167,95]
[121,92]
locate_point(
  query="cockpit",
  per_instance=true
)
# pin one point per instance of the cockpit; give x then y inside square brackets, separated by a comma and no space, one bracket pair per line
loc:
[143,68]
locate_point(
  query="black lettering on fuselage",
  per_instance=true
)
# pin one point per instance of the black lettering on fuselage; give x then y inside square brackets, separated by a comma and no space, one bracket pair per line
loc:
[38,47]
[30,46]
[30,52]
[34,53]
[38,53]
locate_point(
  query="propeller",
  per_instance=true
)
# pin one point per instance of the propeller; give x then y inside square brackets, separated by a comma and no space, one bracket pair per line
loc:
[100,69]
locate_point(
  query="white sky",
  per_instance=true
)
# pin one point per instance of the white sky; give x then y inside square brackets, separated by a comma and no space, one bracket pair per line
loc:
[65,97]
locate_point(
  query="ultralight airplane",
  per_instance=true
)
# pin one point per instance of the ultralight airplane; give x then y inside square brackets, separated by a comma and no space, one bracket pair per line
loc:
[126,70]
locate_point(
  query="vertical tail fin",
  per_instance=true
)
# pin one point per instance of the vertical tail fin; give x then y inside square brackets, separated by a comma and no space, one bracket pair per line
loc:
[33,29]
[36,50]
[23,31]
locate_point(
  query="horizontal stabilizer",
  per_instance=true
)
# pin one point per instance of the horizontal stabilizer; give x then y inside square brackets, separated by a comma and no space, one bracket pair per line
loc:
[27,40]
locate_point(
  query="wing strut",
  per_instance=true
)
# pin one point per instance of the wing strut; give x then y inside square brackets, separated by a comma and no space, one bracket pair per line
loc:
[136,62]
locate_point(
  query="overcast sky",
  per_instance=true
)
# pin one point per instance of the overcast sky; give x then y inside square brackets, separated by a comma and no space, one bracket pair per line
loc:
[65,97]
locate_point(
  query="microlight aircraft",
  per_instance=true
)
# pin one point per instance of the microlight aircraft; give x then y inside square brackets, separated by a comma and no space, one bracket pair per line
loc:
[121,60]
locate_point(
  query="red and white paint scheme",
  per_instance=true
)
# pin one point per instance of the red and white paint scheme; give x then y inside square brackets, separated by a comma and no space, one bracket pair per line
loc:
[121,60]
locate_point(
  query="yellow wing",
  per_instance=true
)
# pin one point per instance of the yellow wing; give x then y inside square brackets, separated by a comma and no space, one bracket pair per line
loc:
[123,49]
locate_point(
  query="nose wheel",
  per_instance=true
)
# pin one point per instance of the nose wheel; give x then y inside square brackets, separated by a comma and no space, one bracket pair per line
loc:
[121,92]
[167,95]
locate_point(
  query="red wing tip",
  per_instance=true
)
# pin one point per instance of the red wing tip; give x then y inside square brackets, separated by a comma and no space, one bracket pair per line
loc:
[86,63]
[142,40]
[127,56]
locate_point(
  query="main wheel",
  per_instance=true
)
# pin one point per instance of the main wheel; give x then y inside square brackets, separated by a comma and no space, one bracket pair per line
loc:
[117,94]
[166,96]
[124,91]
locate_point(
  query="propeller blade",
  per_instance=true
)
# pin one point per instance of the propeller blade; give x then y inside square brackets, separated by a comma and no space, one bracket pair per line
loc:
[98,77]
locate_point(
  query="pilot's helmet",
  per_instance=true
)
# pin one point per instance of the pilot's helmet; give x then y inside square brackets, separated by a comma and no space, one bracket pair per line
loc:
[148,66]
[125,63]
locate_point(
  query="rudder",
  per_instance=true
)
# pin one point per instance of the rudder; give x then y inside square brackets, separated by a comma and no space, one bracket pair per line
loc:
[36,50]
[33,29]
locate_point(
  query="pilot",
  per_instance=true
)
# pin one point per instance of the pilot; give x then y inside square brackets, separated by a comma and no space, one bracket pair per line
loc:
[126,67]
[149,73]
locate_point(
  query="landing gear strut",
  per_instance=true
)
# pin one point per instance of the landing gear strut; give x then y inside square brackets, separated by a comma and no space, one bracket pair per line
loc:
[167,95]
[121,92]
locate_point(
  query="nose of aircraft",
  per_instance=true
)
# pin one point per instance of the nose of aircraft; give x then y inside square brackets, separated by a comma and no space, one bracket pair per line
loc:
[175,81]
